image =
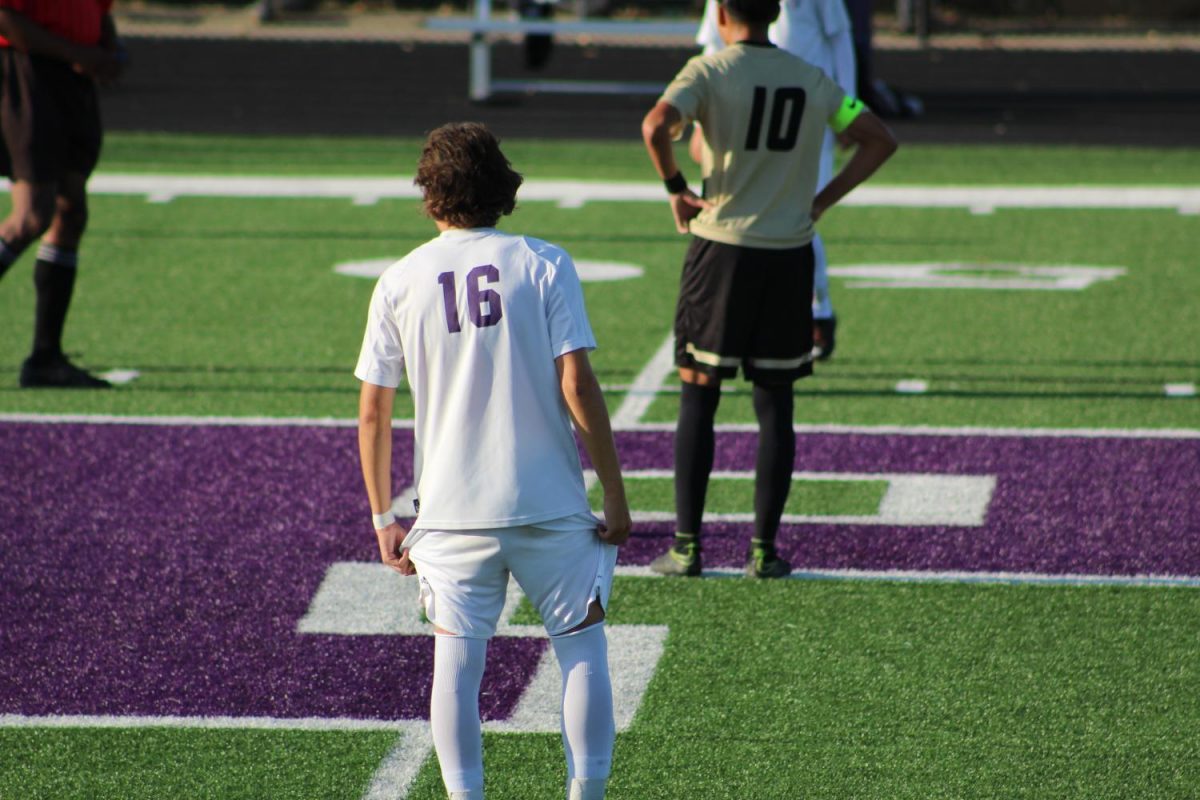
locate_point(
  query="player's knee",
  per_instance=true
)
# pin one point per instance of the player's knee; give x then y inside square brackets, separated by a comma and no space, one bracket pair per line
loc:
[71,218]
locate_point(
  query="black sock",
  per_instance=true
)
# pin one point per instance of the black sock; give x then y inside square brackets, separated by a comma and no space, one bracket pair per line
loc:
[776,456]
[55,283]
[694,445]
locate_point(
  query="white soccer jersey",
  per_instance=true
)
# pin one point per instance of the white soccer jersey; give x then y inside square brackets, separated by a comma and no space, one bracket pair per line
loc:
[476,319]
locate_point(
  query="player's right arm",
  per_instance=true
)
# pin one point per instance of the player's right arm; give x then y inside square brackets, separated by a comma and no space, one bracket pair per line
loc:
[585,401]
[375,454]
[658,130]
[27,36]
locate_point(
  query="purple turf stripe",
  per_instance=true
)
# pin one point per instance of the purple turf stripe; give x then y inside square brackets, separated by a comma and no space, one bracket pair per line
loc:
[162,571]
[158,570]
[1061,505]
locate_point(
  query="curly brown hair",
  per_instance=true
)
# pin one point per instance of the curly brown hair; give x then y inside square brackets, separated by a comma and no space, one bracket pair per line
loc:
[467,181]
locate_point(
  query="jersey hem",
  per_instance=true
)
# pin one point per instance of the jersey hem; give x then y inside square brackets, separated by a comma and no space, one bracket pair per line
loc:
[742,240]
[377,379]
[423,523]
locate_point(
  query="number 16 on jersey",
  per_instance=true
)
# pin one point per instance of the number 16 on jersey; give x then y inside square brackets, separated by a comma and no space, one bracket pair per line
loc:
[476,298]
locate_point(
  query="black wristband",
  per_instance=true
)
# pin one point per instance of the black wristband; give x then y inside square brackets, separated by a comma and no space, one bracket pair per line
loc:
[676,183]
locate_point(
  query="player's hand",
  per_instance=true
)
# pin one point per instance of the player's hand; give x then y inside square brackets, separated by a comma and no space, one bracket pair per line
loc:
[389,549]
[617,523]
[96,62]
[685,206]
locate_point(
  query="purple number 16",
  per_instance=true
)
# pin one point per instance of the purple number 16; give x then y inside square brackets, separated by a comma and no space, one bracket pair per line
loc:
[476,297]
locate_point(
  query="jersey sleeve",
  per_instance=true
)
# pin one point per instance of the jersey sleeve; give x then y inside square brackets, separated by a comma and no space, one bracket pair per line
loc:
[566,314]
[687,93]
[381,360]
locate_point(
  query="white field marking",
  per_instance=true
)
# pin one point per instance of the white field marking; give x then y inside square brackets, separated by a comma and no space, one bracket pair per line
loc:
[369,599]
[639,427]
[574,194]
[948,275]
[589,271]
[932,576]
[246,723]
[361,598]
[912,387]
[120,376]
[646,385]
[1180,389]
[394,777]
[910,499]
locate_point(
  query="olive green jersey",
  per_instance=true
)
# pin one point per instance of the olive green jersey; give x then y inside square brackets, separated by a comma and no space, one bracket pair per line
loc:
[763,112]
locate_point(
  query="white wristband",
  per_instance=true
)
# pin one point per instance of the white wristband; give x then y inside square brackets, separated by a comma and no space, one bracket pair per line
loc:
[383,520]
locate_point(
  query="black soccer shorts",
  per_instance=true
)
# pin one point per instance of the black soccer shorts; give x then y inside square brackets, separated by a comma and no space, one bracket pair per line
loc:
[748,307]
[49,118]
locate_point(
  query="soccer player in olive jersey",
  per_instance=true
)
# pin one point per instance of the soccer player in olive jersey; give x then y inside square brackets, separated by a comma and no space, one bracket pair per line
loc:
[51,54]
[819,32]
[744,298]
[492,333]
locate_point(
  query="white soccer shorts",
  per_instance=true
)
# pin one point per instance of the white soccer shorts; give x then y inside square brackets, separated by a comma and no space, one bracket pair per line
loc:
[464,575]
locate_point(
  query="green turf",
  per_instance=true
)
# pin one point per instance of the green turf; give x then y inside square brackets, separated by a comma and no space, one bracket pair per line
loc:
[777,690]
[733,495]
[232,307]
[766,690]
[616,160]
[155,763]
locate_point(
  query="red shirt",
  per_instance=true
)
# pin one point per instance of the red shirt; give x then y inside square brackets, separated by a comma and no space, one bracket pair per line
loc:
[75,20]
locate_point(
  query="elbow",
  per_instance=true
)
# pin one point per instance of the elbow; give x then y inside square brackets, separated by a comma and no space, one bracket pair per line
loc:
[649,130]
[654,130]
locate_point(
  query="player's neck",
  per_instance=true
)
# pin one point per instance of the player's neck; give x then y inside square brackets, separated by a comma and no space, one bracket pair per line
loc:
[749,34]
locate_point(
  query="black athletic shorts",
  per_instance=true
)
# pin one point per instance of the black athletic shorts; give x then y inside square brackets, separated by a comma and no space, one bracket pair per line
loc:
[49,118]
[747,307]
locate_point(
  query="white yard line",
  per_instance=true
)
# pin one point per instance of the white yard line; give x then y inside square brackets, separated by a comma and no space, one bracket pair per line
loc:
[645,387]
[934,576]
[650,427]
[574,194]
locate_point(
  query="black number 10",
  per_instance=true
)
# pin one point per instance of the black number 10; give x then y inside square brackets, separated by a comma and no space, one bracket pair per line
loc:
[787,108]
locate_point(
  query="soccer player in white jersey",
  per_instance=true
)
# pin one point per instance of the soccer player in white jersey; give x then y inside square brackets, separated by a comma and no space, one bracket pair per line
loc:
[744,297]
[492,333]
[819,32]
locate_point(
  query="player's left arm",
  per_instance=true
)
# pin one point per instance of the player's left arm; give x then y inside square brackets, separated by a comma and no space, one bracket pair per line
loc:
[658,131]
[375,454]
[873,145]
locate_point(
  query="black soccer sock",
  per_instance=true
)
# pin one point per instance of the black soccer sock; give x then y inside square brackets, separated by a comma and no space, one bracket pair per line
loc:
[54,279]
[776,456]
[694,445]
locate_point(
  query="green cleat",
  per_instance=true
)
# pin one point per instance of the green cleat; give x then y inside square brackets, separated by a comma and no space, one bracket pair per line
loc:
[764,563]
[679,560]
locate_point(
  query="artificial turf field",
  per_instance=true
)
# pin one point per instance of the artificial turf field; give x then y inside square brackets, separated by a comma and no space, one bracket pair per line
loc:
[1024,625]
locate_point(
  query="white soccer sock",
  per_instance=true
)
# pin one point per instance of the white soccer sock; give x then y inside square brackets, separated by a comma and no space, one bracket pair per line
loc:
[822,305]
[588,728]
[454,713]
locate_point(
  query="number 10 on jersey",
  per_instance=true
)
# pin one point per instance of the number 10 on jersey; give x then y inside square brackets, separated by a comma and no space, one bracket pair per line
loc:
[476,297]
